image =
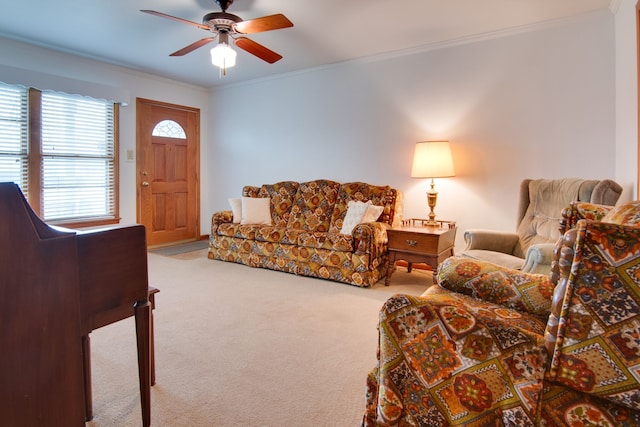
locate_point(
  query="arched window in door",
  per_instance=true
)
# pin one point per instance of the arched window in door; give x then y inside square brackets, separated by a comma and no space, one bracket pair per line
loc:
[169,129]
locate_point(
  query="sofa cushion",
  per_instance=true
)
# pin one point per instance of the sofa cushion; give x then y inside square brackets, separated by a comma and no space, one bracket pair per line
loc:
[244,231]
[564,406]
[355,213]
[373,213]
[313,205]
[236,209]
[625,214]
[362,192]
[495,257]
[281,194]
[333,241]
[585,210]
[256,210]
[530,293]
[277,235]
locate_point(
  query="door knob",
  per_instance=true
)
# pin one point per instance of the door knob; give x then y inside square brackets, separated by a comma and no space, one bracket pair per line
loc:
[145,184]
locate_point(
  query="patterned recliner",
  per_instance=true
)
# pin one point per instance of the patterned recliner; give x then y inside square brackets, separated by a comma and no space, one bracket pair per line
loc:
[305,238]
[496,346]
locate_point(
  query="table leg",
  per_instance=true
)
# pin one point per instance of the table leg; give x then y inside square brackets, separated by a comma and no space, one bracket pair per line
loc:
[86,370]
[142,311]
[152,350]
[391,267]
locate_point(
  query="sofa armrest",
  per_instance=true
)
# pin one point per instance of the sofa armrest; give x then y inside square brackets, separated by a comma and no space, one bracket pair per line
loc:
[490,240]
[581,210]
[539,258]
[595,334]
[489,282]
[220,217]
[370,238]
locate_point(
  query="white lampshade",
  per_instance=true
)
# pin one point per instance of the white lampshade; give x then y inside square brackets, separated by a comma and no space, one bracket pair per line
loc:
[223,56]
[432,159]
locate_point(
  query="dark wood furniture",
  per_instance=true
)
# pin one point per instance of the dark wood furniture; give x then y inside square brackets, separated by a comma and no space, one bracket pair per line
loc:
[56,287]
[418,242]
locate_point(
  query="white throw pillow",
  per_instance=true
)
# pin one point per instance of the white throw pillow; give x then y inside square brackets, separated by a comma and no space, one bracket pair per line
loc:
[256,210]
[236,208]
[373,213]
[355,213]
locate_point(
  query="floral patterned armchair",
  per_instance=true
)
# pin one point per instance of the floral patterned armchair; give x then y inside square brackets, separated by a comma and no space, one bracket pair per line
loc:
[497,346]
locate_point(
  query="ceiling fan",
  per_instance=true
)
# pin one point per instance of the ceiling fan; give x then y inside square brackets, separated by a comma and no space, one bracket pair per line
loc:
[224,25]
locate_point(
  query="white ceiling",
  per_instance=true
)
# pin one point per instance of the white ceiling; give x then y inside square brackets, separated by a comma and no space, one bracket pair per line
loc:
[324,32]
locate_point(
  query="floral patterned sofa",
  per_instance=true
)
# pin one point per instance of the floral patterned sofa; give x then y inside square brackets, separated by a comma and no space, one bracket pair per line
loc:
[304,237]
[493,346]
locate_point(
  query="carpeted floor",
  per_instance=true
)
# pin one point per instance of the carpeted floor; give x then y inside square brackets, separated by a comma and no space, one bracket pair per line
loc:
[239,346]
[181,248]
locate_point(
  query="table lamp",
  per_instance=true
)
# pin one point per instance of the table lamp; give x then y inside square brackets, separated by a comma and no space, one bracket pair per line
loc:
[432,159]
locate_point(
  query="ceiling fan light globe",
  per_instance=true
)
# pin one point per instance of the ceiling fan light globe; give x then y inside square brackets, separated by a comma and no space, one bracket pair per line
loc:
[223,56]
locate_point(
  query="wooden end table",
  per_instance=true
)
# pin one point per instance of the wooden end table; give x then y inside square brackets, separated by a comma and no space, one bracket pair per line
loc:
[416,241]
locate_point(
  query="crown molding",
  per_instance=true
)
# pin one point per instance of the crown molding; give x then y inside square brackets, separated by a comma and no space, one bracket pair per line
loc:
[475,38]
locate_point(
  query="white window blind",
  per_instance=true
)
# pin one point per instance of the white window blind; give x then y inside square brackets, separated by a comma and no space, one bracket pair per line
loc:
[14,140]
[78,158]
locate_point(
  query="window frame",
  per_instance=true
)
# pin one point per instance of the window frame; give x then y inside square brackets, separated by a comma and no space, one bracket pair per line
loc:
[35,159]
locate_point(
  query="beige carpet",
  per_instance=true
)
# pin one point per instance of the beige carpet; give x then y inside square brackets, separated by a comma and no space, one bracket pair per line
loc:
[181,248]
[240,346]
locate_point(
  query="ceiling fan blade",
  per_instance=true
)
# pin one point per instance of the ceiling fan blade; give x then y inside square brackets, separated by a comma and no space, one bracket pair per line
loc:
[258,50]
[193,46]
[184,21]
[266,23]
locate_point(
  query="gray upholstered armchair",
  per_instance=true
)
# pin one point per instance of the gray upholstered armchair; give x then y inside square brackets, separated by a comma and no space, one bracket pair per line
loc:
[530,248]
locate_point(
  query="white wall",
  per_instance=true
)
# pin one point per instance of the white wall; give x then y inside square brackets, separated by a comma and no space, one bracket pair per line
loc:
[538,103]
[626,97]
[45,69]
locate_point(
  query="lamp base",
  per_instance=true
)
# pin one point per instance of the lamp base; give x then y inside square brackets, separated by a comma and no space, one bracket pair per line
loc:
[432,198]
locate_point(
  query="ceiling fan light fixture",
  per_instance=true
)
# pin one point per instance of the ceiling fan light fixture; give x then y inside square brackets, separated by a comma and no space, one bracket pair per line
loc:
[223,56]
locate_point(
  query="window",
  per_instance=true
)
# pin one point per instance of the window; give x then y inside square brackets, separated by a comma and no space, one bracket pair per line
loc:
[169,129]
[14,136]
[62,151]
